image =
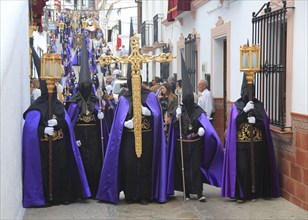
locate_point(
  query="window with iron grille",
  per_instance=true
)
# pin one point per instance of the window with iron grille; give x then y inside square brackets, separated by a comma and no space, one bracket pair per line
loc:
[191,59]
[164,67]
[270,31]
[143,33]
[155,23]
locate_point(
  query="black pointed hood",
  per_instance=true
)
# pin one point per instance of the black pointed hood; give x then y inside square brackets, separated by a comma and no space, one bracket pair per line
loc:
[37,64]
[188,94]
[244,89]
[129,66]
[84,74]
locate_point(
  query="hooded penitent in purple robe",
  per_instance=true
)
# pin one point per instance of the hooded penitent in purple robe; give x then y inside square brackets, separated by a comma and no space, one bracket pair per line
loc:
[116,176]
[237,173]
[83,108]
[211,158]
[33,187]
[69,179]
[229,182]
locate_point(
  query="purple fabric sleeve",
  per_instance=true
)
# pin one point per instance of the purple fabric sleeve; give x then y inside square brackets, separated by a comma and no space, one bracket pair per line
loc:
[108,189]
[213,154]
[229,168]
[33,194]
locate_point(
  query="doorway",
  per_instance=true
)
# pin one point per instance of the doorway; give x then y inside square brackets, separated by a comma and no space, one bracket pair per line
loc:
[219,82]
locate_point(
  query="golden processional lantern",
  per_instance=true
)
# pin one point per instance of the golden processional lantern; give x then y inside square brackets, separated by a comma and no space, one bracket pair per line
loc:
[51,71]
[84,24]
[61,26]
[250,61]
[75,25]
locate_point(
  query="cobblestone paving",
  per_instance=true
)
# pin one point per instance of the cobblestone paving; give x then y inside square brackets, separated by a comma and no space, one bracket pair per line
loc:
[215,208]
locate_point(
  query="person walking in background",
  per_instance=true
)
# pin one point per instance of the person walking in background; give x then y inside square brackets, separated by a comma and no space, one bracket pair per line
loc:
[35,91]
[205,100]
[168,101]
[156,85]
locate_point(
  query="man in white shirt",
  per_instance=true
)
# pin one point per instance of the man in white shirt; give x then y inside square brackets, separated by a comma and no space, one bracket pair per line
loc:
[116,72]
[206,101]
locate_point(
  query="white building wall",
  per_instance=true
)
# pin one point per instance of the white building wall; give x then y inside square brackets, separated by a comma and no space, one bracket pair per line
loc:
[300,58]
[239,13]
[14,100]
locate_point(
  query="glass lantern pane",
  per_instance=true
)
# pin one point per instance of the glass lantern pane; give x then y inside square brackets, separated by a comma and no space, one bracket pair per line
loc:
[245,60]
[254,59]
[57,70]
[48,68]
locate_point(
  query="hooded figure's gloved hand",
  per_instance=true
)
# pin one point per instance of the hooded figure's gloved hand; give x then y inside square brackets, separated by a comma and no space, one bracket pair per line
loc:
[100,115]
[52,122]
[201,131]
[178,112]
[129,124]
[251,120]
[249,106]
[78,142]
[146,111]
[49,131]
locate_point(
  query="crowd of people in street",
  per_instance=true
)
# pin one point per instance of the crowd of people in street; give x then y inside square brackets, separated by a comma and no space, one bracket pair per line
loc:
[79,143]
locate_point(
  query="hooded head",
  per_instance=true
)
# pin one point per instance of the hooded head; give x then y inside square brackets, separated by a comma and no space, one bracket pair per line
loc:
[244,89]
[188,95]
[85,82]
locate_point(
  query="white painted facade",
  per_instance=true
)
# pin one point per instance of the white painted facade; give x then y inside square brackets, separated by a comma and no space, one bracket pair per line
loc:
[300,57]
[239,15]
[14,100]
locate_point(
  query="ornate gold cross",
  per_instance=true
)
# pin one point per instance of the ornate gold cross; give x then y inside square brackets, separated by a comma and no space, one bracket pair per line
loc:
[136,59]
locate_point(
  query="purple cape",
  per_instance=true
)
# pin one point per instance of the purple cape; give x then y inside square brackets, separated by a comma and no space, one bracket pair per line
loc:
[229,172]
[212,158]
[109,189]
[33,194]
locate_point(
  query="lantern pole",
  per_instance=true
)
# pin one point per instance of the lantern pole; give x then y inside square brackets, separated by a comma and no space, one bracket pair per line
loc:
[250,64]
[49,75]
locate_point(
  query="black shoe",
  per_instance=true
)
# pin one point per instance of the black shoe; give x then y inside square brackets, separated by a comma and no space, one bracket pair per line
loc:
[144,202]
[129,201]
[240,200]
[65,202]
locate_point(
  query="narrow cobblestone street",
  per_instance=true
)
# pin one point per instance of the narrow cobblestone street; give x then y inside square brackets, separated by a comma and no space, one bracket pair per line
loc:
[215,208]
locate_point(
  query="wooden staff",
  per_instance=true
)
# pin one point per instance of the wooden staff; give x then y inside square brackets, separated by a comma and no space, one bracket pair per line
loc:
[101,128]
[50,156]
[252,150]
[181,147]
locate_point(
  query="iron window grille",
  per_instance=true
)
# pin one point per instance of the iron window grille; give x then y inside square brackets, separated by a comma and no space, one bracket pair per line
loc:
[269,30]
[191,59]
